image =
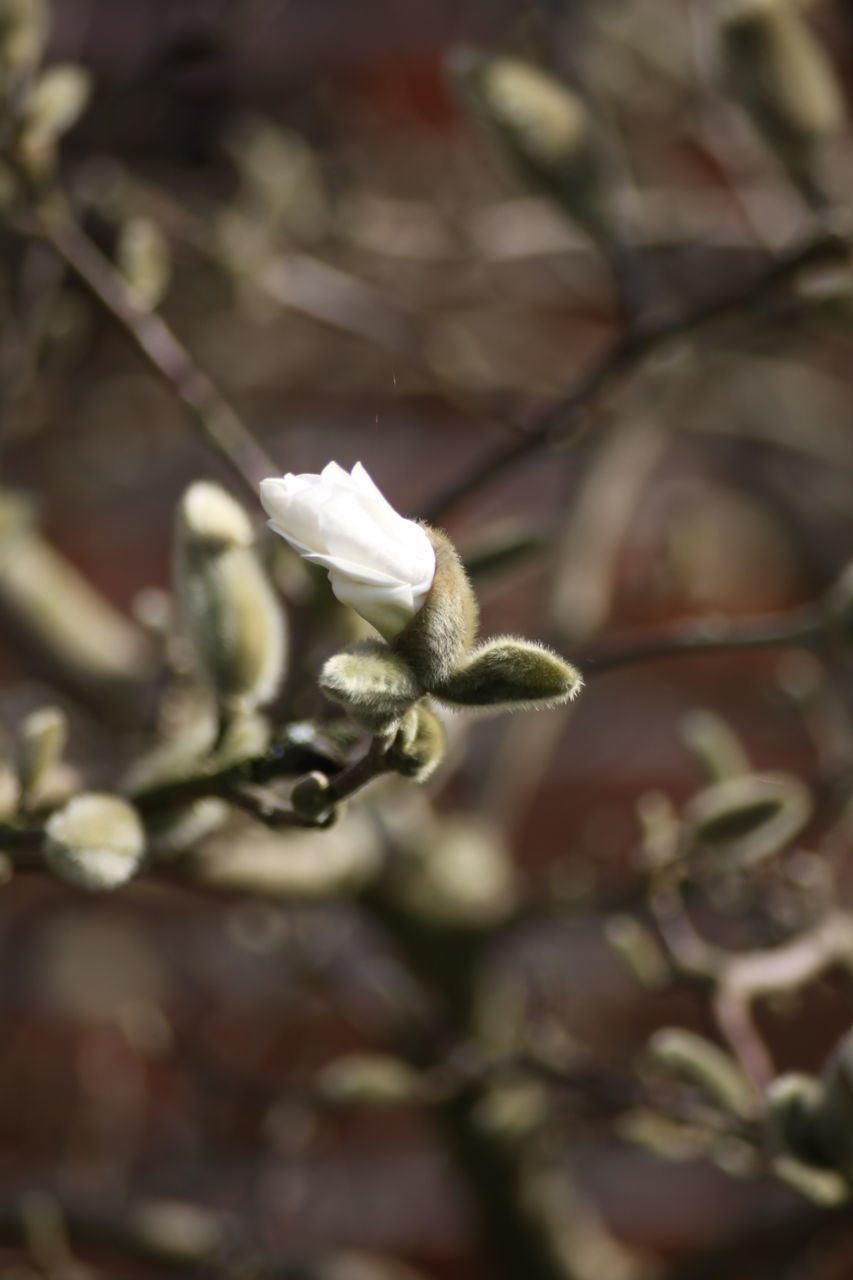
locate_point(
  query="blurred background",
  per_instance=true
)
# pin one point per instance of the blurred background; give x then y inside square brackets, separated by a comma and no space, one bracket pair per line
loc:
[302,194]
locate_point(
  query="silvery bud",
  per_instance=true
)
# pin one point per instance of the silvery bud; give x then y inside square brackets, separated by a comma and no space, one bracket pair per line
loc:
[96,841]
[510,674]
[41,741]
[782,77]
[377,686]
[230,614]
[706,1066]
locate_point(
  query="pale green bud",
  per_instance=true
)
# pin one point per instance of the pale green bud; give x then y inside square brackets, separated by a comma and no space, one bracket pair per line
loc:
[510,674]
[143,258]
[639,949]
[41,741]
[706,1067]
[23,31]
[231,616]
[545,130]
[749,818]
[715,745]
[419,746]
[441,633]
[96,841]
[783,78]
[376,685]
[835,1116]
[366,1080]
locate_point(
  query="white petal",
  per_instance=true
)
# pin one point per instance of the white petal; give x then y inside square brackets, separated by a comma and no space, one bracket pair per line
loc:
[389,611]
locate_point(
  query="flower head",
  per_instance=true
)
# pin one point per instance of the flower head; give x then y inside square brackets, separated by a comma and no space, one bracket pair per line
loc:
[379,563]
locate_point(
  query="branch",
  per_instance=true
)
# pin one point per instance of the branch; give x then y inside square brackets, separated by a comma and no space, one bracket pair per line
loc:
[559,424]
[218,423]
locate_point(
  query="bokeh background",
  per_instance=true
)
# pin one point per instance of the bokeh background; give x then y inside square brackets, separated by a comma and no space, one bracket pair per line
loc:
[342,250]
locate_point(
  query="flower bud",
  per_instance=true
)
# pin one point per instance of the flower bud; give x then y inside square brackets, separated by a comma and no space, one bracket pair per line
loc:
[379,563]
[96,841]
[706,1066]
[835,1115]
[510,674]
[783,78]
[310,796]
[41,741]
[23,31]
[230,613]
[418,748]
[546,132]
[748,818]
[376,685]
[794,1103]
[639,949]
[366,1080]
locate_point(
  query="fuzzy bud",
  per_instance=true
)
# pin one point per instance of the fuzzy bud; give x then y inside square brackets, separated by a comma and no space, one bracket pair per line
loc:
[794,1103]
[96,841]
[510,674]
[545,131]
[41,741]
[230,613]
[441,633]
[782,77]
[706,1067]
[376,685]
[418,748]
[366,1080]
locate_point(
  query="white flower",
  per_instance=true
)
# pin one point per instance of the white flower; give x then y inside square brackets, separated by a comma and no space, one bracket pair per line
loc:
[379,563]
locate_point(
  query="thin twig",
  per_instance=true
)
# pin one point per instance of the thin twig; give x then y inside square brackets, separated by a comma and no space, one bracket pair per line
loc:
[219,424]
[558,424]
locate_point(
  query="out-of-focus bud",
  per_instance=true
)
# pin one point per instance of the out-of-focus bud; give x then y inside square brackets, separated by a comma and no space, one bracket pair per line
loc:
[545,130]
[53,105]
[177,831]
[794,1103]
[367,1080]
[42,736]
[23,31]
[510,674]
[835,1115]
[715,745]
[310,796]
[418,748]
[231,616]
[706,1067]
[376,685]
[749,818]
[782,77]
[456,873]
[143,258]
[96,841]
[639,949]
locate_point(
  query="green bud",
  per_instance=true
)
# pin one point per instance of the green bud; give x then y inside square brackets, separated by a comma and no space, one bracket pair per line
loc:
[835,1116]
[442,631]
[706,1067]
[794,1104]
[143,258]
[715,745]
[96,841]
[231,616]
[366,1080]
[510,674]
[23,31]
[749,818]
[41,741]
[310,796]
[545,131]
[639,949]
[375,683]
[782,77]
[418,748]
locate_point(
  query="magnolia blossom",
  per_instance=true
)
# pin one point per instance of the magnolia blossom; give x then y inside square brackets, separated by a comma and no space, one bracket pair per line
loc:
[379,563]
